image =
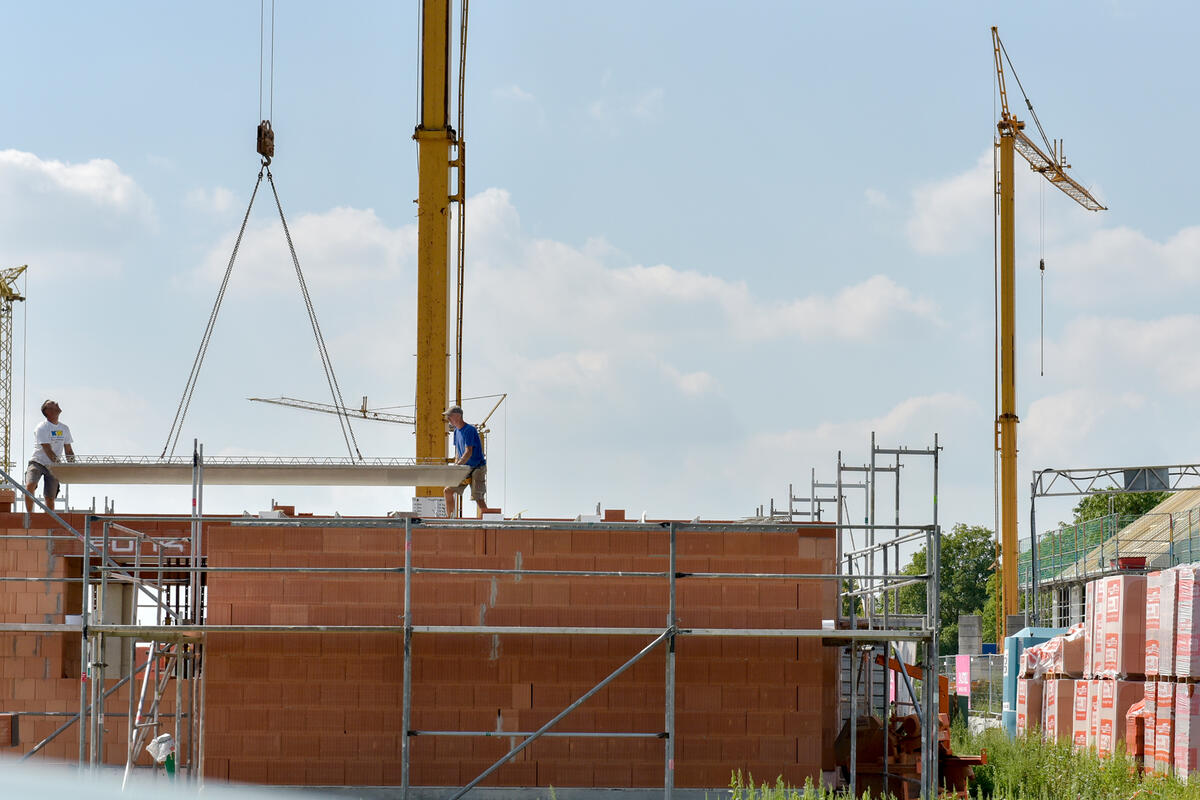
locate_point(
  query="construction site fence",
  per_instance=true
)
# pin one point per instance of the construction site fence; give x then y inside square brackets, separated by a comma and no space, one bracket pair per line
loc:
[986,683]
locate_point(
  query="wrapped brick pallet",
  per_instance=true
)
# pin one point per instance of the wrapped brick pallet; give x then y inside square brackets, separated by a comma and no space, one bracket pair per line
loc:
[1116,698]
[1164,727]
[1029,704]
[1124,626]
[1161,604]
[1079,728]
[1187,730]
[1058,708]
[1151,712]
[1187,624]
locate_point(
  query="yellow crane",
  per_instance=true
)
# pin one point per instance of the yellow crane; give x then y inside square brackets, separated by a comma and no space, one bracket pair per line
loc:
[1053,167]
[439,149]
[9,294]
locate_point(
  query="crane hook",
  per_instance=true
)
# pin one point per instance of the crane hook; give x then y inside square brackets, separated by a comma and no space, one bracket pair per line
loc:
[266,142]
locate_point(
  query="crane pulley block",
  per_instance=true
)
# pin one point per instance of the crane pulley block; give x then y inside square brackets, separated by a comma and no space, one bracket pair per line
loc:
[266,140]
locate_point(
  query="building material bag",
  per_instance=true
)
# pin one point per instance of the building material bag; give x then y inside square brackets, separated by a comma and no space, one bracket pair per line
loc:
[1124,626]
[1116,697]
[1187,624]
[1066,658]
[1161,597]
[1187,730]
[1150,698]
[1093,712]
[1083,705]
[1089,625]
[1164,727]
[1029,705]
[1058,708]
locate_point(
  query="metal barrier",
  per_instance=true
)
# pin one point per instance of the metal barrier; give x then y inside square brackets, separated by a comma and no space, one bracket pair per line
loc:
[987,682]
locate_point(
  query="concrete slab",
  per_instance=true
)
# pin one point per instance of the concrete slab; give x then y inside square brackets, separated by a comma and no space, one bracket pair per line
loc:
[290,472]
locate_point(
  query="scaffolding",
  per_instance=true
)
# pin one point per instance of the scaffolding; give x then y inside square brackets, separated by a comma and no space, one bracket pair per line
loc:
[168,577]
[870,556]
[1056,564]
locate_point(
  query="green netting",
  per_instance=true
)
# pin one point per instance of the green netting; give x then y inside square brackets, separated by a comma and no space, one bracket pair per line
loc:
[1075,548]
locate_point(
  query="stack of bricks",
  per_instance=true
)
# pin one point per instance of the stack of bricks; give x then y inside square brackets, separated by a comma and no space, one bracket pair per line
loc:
[1139,684]
[325,708]
[40,671]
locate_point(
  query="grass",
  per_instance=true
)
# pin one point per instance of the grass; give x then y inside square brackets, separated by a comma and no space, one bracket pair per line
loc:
[1025,769]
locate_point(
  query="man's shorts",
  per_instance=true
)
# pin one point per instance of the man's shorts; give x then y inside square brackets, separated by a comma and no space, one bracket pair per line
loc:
[477,480]
[36,472]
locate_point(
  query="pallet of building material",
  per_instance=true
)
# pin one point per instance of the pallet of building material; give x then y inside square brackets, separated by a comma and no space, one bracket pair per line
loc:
[1096,619]
[1187,731]
[1081,716]
[1063,654]
[1164,728]
[1161,611]
[1029,705]
[1124,627]
[1116,697]
[1058,708]
[1187,623]
[1135,732]
[1150,702]
[1089,616]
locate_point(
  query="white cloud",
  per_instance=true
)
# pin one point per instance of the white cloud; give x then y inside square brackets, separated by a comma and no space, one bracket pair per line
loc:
[217,200]
[692,384]
[876,198]
[1122,263]
[1079,423]
[514,93]
[1157,354]
[580,296]
[70,218]
[342,247]
[956,214]
[953,214]
[99,180]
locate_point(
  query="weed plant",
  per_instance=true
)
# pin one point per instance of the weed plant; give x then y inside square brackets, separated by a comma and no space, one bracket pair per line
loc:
[1025,769]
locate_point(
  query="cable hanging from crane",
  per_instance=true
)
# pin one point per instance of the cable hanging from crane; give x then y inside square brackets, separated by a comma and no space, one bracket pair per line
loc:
[266,149]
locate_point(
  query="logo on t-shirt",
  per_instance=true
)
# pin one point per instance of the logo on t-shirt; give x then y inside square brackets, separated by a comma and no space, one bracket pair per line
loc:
[56,434]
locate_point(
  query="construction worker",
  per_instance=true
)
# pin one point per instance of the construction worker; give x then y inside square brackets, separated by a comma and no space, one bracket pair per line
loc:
[51,442]
[469,451]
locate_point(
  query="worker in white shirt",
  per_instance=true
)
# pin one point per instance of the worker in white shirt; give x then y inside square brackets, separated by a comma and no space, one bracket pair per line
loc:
[52,442]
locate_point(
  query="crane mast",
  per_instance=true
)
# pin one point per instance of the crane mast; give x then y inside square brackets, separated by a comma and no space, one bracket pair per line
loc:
[1010,141]
[8,295]
[434,138]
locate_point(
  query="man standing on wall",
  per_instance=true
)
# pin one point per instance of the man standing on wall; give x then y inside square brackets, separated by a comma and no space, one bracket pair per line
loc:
[469,451]
[51,441]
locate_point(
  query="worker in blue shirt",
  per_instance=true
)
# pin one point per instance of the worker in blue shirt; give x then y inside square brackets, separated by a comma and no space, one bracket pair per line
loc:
[469,451]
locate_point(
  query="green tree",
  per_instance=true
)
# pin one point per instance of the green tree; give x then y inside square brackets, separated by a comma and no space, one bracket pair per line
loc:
[1127,505]
[966,574]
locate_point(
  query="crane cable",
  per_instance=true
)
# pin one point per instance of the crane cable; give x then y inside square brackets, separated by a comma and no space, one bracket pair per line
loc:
[326,362]
[1028,103]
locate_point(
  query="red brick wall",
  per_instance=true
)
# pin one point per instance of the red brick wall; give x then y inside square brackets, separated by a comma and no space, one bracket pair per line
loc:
[325,708]
[40,671]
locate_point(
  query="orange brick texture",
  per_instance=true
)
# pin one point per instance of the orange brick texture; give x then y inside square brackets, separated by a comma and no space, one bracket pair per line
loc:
[325,708]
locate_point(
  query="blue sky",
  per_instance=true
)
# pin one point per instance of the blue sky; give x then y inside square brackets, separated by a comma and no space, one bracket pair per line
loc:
[710,244]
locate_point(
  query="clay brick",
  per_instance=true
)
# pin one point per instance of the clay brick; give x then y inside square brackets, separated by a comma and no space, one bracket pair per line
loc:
[365,772]
[243,767]
[569,774]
